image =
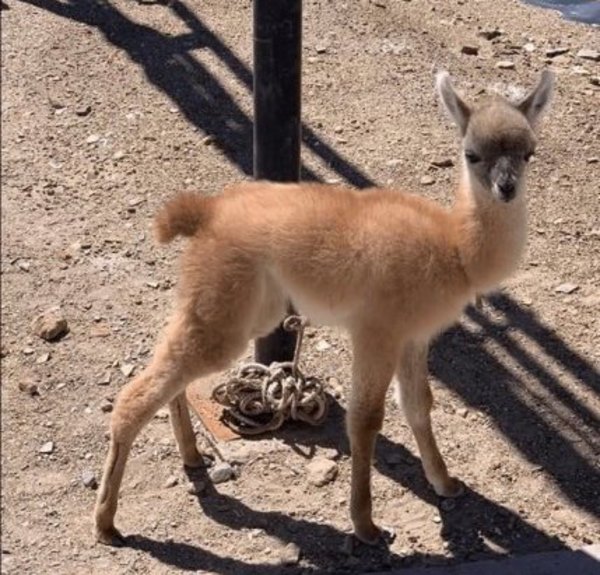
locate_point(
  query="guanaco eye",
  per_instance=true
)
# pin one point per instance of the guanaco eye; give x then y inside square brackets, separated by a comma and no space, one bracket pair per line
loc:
[472,157]
[528,156]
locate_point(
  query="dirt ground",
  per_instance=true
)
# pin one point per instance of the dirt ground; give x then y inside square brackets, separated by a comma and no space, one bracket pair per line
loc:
[108,108]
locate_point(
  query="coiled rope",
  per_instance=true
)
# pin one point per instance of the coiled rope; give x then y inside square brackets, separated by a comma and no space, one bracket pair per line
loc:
[258,398]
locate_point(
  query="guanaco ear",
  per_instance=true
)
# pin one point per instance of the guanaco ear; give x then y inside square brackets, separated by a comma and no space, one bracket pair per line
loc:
[455,106]
[534,104]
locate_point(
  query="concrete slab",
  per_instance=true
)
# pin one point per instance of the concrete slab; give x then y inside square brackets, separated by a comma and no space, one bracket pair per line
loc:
[585,561]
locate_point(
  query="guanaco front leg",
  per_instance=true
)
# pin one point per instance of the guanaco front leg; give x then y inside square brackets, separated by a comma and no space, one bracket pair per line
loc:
[417,400]
[372,370]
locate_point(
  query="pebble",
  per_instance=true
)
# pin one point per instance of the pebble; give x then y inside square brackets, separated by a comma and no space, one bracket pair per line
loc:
[196,488]
[208,140]
[127,369]
[505,65]
[437,519]
[595,80]
[337,389]
[427,181]
[28,351]
[463,412]
[490,33]
[566,288]
[529,47]
[289,555]
[43,358]
[29,387]
[92,139]
[470,50]
[83,110]
[322,345]
[50,325]
[23,265]
[47,448]
[106,406]
[221,472]
[105,379]
[553,52]
[321,471]
[171,481]
[88,478]
[118,155]
[588,54]
[443,163]
[321,48]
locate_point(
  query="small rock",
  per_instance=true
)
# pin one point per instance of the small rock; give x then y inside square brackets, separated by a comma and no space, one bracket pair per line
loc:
[337,389]
[442,163]
[29,387]
[118,155]
[322,345]
[50,325]
[595,80]
[588,54]
[437,519]
[43,358]
[162,413]
[463,412]
[490,33]
[93,139]
[553,52]
[593,160]
[566,288]
[505,65]
[105,379]
[28,351]
[329,453]
[208,140]
[196,488]
[83,110]
[427,181]
[221,472]
[47,448]
[127,369]
[171,482]
[321,48]
[321,471]
[529,47]
[106,406]
[23,265]
[289,555]
[469,50]
[88,478]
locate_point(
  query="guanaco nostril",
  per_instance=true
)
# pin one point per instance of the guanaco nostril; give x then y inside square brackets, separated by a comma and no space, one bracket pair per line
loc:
[507,190]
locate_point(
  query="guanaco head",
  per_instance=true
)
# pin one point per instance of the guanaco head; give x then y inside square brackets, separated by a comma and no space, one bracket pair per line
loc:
[498,136]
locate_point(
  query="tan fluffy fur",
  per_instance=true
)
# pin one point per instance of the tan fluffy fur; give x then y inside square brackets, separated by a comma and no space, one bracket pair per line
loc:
[393,269]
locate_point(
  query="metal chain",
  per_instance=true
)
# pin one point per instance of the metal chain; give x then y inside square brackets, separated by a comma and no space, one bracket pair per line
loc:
[260,398]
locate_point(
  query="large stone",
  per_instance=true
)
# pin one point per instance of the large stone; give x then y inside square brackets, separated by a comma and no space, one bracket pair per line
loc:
[50,325]
[321,471]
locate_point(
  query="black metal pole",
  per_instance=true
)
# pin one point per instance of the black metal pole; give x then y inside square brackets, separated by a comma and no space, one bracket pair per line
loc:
[277,80]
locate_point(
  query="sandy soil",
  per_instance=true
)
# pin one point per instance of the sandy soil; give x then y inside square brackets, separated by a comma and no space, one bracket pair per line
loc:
[106,109]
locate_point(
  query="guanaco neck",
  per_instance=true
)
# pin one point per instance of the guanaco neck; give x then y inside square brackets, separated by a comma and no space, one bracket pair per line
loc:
[489,234]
